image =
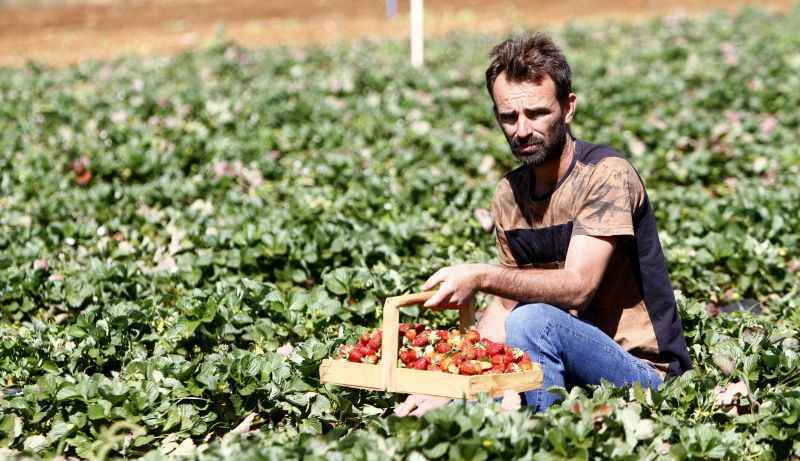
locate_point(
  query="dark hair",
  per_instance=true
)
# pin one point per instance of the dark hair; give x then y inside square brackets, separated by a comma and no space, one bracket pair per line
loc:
[530,58]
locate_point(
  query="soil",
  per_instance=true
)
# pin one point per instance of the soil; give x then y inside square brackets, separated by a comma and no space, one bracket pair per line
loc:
[66,32]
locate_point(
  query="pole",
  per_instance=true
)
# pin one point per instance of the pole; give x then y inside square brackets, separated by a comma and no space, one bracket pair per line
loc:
[417,33]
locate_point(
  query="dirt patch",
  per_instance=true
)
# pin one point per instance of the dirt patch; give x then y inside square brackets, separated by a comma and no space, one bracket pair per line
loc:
[67,33]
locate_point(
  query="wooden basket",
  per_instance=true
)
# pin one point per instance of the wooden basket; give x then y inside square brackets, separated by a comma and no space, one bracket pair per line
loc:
[387,376]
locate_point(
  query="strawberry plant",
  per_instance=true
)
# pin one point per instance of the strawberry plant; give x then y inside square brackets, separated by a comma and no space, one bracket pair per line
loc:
[183,240]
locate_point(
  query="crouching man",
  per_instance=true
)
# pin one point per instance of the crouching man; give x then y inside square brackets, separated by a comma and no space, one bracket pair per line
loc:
[582,283]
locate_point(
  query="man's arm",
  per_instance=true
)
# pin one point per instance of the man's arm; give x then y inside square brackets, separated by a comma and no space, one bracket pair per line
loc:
[571,287]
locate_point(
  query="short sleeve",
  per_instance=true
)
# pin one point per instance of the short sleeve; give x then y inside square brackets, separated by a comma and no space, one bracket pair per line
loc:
[503,249]
[609,201]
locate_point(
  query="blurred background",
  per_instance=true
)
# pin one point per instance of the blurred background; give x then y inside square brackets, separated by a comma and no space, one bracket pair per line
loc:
[61,32]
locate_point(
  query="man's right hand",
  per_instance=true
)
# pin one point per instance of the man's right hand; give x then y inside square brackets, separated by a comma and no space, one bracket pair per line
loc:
[419,404]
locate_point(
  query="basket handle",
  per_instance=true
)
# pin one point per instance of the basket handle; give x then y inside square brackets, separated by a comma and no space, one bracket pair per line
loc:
[391,324]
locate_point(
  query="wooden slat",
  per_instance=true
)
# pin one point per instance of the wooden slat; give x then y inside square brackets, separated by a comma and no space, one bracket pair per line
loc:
[359,375]
[409,381]
[495,384]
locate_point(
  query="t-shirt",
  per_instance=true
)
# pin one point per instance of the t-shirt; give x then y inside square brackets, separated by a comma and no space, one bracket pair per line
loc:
[600,195]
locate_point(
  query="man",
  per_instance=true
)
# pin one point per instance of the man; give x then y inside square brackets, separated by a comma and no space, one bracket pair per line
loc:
[582,283]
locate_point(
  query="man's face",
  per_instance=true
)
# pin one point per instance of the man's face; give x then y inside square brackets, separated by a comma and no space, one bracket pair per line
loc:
[531,117]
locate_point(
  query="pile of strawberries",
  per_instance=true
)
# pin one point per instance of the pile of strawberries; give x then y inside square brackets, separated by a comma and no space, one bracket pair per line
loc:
[440,350]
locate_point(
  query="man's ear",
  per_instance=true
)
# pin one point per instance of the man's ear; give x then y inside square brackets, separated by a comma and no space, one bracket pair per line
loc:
[569,108]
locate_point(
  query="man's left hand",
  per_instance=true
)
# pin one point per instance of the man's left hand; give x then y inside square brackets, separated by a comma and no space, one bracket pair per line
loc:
[459,284]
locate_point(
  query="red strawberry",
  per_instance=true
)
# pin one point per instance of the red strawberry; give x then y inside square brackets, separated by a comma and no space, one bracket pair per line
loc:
[420,341]
[408,356]
[355,356]
[420,328]
[403,328]
[442,347]
[470,367]
[499,360]
[374,344]
[364,338]
[442,334]
[480,353]
[363,350]
[495,348]
[422,364]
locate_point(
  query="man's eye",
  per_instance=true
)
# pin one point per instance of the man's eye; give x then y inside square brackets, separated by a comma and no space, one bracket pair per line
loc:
[508,118]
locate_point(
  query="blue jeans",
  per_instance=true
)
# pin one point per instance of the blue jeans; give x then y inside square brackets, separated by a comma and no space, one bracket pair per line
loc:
[571,352]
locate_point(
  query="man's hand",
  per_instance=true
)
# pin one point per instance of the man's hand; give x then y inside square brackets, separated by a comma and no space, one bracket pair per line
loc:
[419,404]
[459,284]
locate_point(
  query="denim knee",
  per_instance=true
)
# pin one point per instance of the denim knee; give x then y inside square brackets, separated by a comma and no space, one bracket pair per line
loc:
[528,322]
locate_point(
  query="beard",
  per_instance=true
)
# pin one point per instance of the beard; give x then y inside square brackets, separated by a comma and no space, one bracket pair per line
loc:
[543,149]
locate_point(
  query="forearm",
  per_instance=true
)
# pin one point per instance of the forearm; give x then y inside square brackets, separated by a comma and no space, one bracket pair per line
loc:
[559,287]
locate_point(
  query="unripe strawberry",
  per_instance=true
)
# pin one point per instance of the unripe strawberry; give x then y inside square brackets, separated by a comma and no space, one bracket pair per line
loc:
[468,352]
[525,365]
[371,358]
[473,336]
[411,334]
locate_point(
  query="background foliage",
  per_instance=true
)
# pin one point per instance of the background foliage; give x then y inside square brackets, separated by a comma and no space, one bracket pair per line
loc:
[242,200]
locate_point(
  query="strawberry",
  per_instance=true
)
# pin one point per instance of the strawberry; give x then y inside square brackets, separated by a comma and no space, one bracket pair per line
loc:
[442,334]
[525,365]
[442,347]
[480,353]
[470,367]
[499,360]
[355,356]
[411,334]
[408,356]
[371,358]
[445,364]
[374,344]
[495,348]
[473,336]
[468,352]
[421,364]
[420,328]
[420,341]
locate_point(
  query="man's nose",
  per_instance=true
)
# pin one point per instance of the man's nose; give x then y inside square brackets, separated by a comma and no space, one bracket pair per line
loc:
[524,127]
